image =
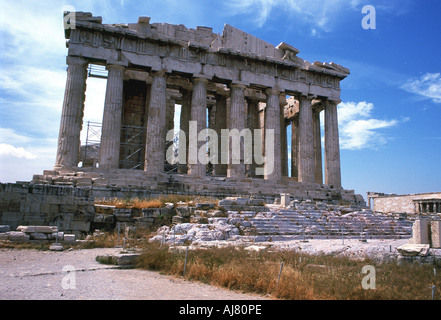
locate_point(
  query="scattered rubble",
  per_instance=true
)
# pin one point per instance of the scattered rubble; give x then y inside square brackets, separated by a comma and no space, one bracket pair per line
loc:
[35,234]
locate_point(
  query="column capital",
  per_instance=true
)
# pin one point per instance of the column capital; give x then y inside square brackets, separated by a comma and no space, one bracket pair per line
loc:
[115,67]
[336,102]
[239,84]
[76,60]
[308,96]
[273,91]
[201,77]
[159,73]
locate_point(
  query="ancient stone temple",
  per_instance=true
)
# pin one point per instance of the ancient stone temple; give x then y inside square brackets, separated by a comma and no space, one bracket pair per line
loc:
[235,91]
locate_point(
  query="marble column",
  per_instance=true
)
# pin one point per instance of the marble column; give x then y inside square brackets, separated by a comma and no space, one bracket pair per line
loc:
[317,146]
[306,141]
[237,121]
[220,122]
[72,113]
[154,151]
[199,115]
[283,139]
[112,117]
[252,124]
[295,134]
[273,162]
[183,125]
[169,125]
[332,147]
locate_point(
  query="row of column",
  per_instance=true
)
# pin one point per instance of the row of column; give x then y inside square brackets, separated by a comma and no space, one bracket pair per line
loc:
[306,145]
[194,107]
[429,207]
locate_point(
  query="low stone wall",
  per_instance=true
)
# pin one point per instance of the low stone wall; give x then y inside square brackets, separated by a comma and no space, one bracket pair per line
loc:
[69,206]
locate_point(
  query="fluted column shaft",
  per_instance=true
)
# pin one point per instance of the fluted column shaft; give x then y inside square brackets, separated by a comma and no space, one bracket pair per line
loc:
[237,121]
[72,113]
[295,134]
[199,114]
[273,162]
[332,146]
[306,139]
[252,124]
[112,117]
[317,147]
[154,151]
[220,122]
[283,138]
[183,125]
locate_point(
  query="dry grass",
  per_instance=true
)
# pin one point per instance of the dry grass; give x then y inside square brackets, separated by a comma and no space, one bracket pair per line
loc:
[154,202]
[303,277]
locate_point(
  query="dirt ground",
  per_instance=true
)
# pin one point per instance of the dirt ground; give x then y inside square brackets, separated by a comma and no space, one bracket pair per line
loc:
[76,275]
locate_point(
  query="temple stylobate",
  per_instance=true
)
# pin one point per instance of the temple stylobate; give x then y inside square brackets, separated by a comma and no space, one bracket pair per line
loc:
[224,84]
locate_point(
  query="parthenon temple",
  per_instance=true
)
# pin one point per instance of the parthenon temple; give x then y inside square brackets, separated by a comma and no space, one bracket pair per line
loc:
[213,82]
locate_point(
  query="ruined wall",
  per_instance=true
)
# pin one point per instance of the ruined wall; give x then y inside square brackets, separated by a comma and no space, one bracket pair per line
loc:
[401,203]
[26,204]
[39,204]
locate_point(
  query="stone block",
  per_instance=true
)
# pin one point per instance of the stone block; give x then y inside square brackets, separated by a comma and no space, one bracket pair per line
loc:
[285,199]
[38,236]
[53,236]
[128,259]
[18,236]
[104,209]
[69,238]
[204,206]
[4,236]
[37,229]
[14,206]
[183,211]
[56,247]
[103,218]
[257,202]
[79,226]
[4,228]
[420,231]
[412,250]
[435,227]
[68,208]
[225,202]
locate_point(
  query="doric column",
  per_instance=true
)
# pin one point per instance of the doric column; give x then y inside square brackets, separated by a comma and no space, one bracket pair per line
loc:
[199,114]
[283,139]
[273,163]
[295,134]
[306,147]
[169,125]
[112,116]
[237,121]
[183,125]
[252,124]
[154,151]
[317,146]
[220,122]
[72,113]
[332,147]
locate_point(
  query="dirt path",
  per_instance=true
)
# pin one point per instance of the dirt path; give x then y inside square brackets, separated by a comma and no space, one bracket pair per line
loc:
[75,275]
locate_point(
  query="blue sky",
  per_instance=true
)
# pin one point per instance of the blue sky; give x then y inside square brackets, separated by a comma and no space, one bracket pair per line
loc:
[390,114]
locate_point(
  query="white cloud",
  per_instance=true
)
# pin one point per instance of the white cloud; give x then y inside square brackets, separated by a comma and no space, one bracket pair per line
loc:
[357,128]
[8,135]
[9,150]
[427,86]
[321,14]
